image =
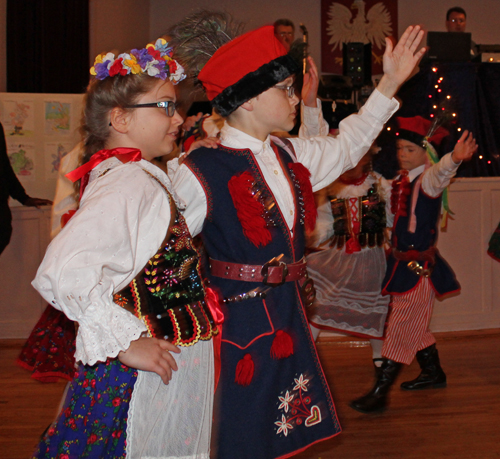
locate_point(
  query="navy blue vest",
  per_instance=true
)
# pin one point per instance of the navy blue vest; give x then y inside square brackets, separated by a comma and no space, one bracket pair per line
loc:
[260,420]
[398,277]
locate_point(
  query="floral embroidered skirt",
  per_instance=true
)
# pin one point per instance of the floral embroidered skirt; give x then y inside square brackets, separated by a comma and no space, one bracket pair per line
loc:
[49,351]
[93,421]
[113,411]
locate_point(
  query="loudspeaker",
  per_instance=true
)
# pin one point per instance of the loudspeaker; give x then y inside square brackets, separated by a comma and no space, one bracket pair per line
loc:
[334,87]
[357,63]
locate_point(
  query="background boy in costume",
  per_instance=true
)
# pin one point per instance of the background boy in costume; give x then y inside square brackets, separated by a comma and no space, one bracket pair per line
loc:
[124,268]
[416,272]
[251,199]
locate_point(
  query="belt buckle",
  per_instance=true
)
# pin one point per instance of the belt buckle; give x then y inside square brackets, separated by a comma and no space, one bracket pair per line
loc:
[276,261]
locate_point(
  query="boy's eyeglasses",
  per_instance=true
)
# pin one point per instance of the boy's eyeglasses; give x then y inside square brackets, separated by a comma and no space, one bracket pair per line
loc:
[168,105]
[290,90]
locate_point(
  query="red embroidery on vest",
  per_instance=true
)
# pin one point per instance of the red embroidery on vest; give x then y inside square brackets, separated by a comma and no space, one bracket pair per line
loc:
[249,209]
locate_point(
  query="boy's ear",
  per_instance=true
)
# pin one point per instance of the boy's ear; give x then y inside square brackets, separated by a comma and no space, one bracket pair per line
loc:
[248,106]
[120,119]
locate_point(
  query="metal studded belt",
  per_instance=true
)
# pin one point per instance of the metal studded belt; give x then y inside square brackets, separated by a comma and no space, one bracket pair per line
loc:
[274,272]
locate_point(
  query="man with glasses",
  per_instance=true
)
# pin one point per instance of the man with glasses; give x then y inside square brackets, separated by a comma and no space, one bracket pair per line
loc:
[456,21]
[284,31]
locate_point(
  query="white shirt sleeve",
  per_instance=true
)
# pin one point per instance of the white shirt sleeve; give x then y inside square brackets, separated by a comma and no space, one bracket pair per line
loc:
[438,177]
[191,193]
[327,158]
[312,121]
[385,193]
[324,225]
[122,220]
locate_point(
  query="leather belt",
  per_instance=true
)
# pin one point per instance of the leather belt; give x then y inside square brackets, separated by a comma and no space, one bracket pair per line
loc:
[274,272]
[428,255]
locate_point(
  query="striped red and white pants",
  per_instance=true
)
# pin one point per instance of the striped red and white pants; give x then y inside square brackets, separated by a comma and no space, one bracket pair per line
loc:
[407,330]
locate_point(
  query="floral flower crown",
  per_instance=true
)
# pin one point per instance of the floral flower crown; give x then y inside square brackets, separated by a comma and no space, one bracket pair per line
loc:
[155,60]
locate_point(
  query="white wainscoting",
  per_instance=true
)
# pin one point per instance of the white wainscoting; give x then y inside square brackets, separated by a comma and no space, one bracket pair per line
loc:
[475,201]
[20,304]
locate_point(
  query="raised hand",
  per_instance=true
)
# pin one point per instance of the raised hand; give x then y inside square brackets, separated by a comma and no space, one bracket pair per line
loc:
[399,61]
[151,354]
[310,85]
[465,148]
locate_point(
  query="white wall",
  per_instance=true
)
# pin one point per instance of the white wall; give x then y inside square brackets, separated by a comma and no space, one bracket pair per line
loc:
[118,25]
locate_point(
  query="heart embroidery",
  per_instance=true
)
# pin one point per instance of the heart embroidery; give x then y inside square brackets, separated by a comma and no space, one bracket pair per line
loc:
[314,418]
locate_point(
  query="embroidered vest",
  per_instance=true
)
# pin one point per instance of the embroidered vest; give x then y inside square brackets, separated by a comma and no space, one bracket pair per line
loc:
[370,213]
[168,294]
[399,277]
[224,237]
[224,233]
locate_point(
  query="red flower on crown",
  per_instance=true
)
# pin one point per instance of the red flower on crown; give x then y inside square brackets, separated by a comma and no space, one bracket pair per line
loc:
[117,68]
[153,52]
[172,65]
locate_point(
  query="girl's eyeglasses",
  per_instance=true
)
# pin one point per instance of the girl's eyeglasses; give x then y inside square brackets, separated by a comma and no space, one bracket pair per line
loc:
[168,105]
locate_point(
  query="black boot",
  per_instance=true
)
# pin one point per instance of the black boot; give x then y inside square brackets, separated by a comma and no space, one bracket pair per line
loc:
[432,375]
[376,399]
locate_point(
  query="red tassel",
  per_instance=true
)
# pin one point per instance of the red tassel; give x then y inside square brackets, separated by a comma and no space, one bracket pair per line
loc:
[244,371]
[352,245]
[249,209]
[282,345]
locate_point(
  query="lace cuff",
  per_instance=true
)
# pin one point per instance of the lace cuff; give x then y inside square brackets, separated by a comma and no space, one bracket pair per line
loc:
[104,333]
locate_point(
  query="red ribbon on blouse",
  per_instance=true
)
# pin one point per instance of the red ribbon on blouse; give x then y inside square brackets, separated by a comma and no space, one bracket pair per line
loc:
[125,155]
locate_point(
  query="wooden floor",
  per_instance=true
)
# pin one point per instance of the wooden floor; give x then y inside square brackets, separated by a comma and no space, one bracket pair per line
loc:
[459,422]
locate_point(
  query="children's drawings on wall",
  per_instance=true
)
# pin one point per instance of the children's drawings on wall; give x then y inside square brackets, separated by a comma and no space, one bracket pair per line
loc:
[18,118]
[40,129]
[22,158]
[57,118]
[54,153]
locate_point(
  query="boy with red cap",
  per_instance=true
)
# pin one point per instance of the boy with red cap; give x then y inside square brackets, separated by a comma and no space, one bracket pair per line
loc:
[416,272]
[251,199]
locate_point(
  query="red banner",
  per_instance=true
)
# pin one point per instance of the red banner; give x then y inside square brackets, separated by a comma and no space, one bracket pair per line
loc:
[360,21]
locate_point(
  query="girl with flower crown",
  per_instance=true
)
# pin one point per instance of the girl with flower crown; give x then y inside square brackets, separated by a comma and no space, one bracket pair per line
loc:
[125,270]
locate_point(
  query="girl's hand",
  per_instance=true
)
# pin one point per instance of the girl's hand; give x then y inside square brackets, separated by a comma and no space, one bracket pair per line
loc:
[151,354]
[465,148]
